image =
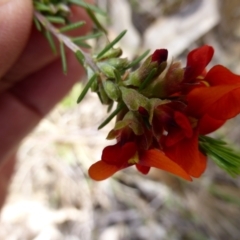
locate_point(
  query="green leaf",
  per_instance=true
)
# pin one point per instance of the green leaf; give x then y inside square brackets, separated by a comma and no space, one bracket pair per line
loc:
[154,103]
[112,90]
[117,76]
[55,19]
[133,99]
[79,56]
[88,6]
[95,20]
[37,24]
[83,44]
[72,26]
[224,156]
[104,98]
[134,123]
[107,69]
[130,120]
[63,57]
[115,131]
[112,115]
[51,41]
[86,88]
[139,59]
[90,36]
[111,44]
[42,7]
[111,53]
[110,106]
[212,140]
[119,63]
[148,79]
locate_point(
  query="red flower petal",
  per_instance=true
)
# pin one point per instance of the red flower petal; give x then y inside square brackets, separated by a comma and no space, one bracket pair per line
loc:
[197,60]
[160,55]
[220,102]
[184,129]
[186,154]
[111,153]
[101,170]
[157,159]
[184,123]
[219,75]
[142,169]
[173,137]
[119,155]
[208,124]
[128,150]
[226,107]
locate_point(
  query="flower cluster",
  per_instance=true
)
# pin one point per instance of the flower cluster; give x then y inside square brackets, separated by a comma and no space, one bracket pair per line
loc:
[166,110]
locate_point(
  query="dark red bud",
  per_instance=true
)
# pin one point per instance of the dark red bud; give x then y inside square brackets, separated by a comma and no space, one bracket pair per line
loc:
[143,111]
[160,55]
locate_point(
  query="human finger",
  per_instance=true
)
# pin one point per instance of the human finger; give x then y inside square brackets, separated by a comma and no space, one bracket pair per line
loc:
[38,53]
[15,25]
[22,107]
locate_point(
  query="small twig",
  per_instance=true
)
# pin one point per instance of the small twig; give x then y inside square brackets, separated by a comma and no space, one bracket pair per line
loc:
[66,40]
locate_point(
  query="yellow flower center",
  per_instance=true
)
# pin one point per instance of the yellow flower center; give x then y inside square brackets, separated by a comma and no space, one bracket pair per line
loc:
[205,83]
[134,159]
[193,121]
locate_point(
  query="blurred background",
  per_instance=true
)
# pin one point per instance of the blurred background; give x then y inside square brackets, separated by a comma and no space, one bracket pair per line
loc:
[51,196]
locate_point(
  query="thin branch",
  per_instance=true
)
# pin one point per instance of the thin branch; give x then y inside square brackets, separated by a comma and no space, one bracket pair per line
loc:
[66,40]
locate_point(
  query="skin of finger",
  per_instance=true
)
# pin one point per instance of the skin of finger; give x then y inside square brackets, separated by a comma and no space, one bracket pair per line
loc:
[38,53]
[22,107]
[6,171]
[15,26]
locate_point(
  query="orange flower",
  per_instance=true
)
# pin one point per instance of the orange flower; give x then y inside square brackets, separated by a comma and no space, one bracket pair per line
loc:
[206,92]
[117,157]
[197,60]
[181,144]
[220,100]
[186,154]
[162,130]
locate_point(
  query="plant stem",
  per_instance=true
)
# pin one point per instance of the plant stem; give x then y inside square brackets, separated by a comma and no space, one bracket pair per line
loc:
[66,40]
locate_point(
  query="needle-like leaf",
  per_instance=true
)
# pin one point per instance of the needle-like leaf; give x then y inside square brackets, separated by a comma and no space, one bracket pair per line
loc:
[63,57]
[112,115]
[86,88]
[225,157]
[111,44]
[72,26]
[138,60]
[37,24]
[51,41]
[55,19]
[80,57]
[88,6]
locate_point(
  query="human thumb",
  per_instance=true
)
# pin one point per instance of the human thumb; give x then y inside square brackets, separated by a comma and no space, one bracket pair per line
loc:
[15,25]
